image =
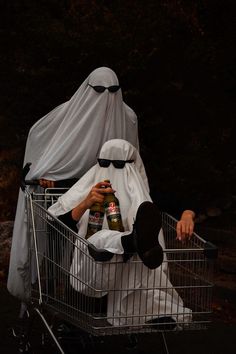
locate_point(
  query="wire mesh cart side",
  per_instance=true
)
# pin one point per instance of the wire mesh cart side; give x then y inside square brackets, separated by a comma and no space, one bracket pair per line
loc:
[113,297]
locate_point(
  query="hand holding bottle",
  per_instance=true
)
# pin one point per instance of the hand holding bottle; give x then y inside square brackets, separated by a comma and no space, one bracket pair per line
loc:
[96,213]
[112,210]
[97,194]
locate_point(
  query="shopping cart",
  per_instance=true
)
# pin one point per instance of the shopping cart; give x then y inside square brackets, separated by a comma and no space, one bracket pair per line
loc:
[114,298]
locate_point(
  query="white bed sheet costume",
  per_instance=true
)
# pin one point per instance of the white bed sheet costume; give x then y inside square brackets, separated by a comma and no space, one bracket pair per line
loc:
[64,144]
[131,185]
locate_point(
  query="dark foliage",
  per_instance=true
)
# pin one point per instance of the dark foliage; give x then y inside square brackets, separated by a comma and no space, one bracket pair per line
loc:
[176,63]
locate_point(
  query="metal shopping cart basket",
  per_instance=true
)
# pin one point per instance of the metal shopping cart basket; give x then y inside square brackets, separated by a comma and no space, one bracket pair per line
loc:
[113,297]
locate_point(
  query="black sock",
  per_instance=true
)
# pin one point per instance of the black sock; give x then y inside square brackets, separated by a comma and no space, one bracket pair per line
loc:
[128,245]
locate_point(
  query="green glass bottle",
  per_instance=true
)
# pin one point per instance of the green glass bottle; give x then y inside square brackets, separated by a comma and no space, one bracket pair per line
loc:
[95,220]
[112,211]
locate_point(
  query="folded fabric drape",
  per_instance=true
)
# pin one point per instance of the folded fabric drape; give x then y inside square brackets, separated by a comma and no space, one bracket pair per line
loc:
[64,144]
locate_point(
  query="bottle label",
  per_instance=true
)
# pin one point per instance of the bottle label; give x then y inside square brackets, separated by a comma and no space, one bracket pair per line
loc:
[113,211]
[95,220]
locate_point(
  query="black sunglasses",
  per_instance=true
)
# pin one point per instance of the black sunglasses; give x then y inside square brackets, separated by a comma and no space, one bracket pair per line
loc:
[101,89]
[116,163]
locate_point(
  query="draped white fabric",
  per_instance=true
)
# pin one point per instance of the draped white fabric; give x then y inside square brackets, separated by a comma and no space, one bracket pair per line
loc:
[130,183]
[132,189]
[154,295]
[64,144]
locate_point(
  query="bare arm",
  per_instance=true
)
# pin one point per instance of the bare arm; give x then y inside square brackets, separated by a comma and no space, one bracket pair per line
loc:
[185,225]
[96,195]
[45,183]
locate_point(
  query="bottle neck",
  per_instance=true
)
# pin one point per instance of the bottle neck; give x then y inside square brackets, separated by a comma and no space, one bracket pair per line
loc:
[108,194]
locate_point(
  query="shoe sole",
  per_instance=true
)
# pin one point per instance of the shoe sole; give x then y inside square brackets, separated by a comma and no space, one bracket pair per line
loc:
[147,226]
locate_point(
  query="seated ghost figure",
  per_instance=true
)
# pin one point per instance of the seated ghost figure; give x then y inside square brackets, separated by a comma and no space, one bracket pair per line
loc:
[143,238]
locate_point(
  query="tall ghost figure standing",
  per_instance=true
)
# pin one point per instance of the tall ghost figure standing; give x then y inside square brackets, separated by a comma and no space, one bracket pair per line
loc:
[64,144]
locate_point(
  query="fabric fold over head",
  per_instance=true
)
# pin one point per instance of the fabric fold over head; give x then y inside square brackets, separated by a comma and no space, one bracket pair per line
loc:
[130,183]
[64,143]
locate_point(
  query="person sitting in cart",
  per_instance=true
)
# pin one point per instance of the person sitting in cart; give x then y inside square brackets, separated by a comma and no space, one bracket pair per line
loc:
[141,218]
[143,239]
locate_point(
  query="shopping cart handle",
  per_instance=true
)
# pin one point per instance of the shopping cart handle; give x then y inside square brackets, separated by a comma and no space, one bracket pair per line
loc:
[24,182]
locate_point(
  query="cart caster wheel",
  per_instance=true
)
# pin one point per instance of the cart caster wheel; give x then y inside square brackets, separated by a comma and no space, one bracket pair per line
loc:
[132,341]
[25,348]
[23,345]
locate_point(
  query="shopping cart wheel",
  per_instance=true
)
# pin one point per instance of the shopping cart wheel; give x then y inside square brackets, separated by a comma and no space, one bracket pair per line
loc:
[132,341]
[72,338]
[24,348]
[19,332]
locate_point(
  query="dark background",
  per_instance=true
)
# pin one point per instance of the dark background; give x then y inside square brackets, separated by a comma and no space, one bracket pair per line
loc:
[175,61]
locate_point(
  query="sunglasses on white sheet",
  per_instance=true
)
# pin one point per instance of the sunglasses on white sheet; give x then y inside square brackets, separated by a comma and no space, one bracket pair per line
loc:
[101,89]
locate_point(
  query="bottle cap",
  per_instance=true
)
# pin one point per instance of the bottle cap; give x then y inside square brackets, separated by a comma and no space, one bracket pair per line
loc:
[107,180]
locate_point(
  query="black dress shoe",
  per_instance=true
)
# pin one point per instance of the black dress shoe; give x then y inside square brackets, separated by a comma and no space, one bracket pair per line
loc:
[99,254]
[146,230]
